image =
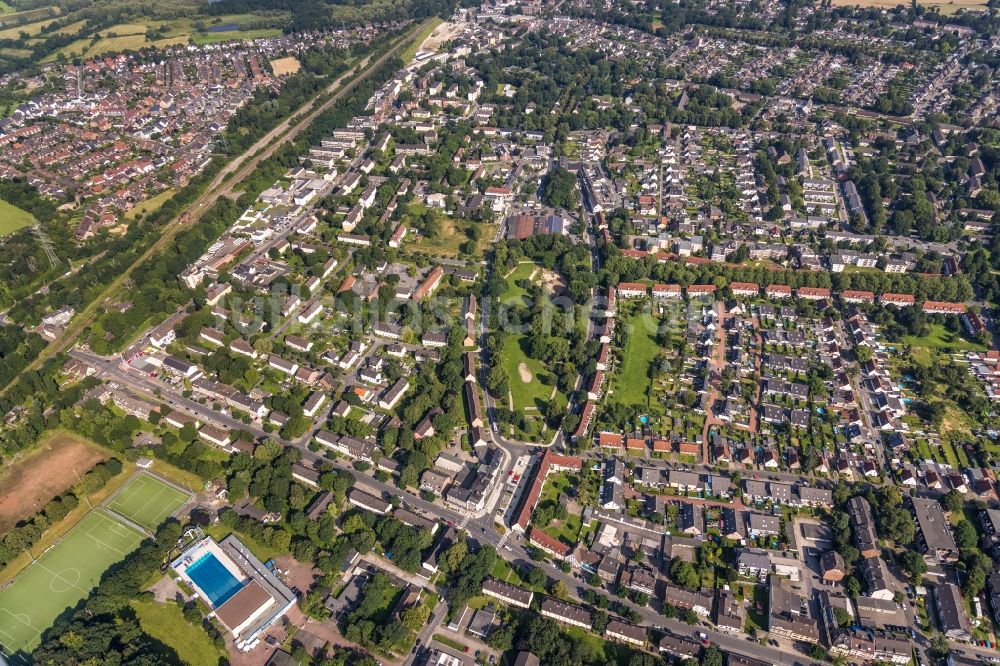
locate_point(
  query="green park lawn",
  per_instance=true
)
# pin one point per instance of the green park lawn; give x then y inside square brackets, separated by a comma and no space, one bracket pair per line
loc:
[923,450]
[150,205]
[567,531]
[558,484]
[261,551]
[202,38]
[632,381]
[516,293]
[601,651]
[411,51]
[535,393]
[941,338]
[502,570]
[13,218]
[757,619]
[452,235]
[167,624]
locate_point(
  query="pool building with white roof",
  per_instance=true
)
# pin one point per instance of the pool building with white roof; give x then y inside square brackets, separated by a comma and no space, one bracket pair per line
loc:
[243,594]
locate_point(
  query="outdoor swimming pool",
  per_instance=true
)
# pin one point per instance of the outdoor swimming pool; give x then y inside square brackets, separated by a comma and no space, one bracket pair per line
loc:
[214,579]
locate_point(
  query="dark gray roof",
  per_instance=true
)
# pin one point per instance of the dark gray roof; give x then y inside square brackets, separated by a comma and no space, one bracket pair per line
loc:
[933,524]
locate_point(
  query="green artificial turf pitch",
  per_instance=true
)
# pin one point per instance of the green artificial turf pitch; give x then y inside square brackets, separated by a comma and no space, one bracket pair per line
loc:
[147,500]
[61,577]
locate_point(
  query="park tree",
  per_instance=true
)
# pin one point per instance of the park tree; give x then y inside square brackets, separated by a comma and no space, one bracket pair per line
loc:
[415,617]
[862,353]
[711,656]
[684,573]
[535,577]
[952,501]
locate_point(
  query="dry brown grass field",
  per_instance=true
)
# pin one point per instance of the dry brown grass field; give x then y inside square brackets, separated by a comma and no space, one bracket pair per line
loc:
[283,66]
[944,6]
[29,483]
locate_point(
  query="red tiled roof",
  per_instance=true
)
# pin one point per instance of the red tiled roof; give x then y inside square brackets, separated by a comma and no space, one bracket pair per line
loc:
[635,443]
[858,295]
[943,306]
[687,448]
[610,439]
[666,288]
[549,543]
[585,416]
[635,254]
[549,459]
[428,285]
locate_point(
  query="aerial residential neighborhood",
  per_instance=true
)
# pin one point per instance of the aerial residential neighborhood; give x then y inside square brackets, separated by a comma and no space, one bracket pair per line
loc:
[514,332]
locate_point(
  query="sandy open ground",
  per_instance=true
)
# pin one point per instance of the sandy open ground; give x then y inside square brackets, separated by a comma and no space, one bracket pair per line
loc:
[441,34]
[28,484]
[524,373]
[285,66]
[553,281]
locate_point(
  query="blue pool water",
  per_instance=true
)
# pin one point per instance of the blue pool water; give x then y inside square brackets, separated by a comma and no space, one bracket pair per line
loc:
[228,27]
[214,579]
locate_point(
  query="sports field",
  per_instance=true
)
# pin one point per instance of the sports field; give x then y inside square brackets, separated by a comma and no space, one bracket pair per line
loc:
[147,500]
[60,578]
[69,570]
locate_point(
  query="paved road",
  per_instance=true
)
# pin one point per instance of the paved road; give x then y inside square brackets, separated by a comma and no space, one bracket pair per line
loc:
[426,634]
[861,393]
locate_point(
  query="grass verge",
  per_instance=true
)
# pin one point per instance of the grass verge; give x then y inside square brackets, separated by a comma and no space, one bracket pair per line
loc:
[166,623]
[411,51]
[13,218]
